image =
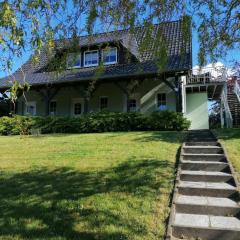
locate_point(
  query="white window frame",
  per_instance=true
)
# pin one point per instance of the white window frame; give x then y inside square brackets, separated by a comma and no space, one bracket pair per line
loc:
[74,101]
[90,65]
[100,102]
[31,103]
[158,107]
[136,108]
[51,113]
[107,48]
[77,55]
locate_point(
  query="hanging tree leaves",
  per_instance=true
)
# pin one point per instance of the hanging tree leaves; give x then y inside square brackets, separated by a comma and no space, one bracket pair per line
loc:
[30,25]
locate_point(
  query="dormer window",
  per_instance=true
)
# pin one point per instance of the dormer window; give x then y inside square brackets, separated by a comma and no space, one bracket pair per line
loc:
[73,60]
[109,55]
[91,58]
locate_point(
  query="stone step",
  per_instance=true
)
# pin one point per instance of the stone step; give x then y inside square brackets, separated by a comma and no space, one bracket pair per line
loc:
[203,149]
[205,227]
[209,189]
[206,205]
[200,139]
[210,143]
[205,166]
[204,157]
[205,176]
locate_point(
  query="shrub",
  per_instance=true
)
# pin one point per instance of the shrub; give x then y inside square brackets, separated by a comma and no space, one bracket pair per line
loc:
[95,122]
[16,125]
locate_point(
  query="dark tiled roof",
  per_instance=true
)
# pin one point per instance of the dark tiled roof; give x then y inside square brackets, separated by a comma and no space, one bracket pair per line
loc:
[179,57]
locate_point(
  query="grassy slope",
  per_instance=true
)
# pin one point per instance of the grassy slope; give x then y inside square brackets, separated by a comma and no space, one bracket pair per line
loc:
[89,186]
[231,141]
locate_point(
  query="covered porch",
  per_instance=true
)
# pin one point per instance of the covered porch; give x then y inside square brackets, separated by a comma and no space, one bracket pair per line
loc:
[116,95]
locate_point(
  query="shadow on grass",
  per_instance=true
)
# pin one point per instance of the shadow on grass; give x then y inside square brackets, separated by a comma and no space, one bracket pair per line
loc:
[228,133]
[47,204]
[165,136]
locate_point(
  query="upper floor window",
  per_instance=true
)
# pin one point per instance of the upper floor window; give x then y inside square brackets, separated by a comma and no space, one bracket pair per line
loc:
[90,58]
[161,101]
[74,60]
[109,55]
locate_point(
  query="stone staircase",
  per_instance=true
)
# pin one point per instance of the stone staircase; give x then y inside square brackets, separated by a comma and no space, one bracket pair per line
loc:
[206,200]
[234,106]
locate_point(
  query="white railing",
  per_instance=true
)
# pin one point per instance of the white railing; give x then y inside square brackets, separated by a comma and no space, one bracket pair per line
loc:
[207,75]
[237,90]
[228,115]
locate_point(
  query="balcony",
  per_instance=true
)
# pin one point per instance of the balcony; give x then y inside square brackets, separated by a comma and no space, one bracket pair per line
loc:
[207,79]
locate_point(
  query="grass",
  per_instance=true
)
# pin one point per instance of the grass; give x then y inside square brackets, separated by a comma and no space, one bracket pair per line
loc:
[230,138]
[90,186]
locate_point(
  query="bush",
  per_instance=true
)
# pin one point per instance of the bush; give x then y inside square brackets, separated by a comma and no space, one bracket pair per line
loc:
[95,122]
[16,125]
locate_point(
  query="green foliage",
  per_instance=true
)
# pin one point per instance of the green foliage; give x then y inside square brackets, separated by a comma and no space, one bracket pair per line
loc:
[168,120]
[95,122]
[16,125]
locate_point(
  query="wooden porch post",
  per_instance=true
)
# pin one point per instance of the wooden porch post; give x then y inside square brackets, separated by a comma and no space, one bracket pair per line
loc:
[178,92]
[48,94]
[125,92]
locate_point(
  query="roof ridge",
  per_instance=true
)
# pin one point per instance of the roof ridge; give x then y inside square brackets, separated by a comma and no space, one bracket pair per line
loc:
[120,30]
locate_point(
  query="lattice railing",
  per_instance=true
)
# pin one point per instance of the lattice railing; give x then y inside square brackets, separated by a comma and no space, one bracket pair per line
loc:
[228,114]
[207,75]
[237,90]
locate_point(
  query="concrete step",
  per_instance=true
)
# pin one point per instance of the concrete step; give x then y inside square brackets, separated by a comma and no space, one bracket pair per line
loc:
[206,205]
[209,189]
[206,227]
[205,176]
[205,166]
[204,157]
[196,143]
[200,139]
[203,149]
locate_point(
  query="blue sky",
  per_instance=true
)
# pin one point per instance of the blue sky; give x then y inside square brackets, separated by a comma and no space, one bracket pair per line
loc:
[232,55]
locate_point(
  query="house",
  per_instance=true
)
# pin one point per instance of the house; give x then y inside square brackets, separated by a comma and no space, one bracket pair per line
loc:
[121,77]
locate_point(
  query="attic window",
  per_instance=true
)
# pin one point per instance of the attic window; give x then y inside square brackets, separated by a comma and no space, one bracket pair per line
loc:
[90,58]
[109,55]
[74,60]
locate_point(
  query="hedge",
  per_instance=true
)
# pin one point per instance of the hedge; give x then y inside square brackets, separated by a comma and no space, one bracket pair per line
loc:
[95,122]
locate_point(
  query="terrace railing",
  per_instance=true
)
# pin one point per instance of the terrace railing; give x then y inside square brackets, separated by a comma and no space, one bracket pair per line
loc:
[237,90]
[228,114]
[207,75]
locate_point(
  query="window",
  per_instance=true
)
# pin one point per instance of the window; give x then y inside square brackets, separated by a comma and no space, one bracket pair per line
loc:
[77,108]
[90,58]
[103,103]
[53,107]
[109,55]
[161,101]
[74,60]
[31,108]
[132,105]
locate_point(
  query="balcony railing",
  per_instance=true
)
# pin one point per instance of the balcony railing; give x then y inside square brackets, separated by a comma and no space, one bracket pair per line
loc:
[237,90]
[228,114]
[202,76]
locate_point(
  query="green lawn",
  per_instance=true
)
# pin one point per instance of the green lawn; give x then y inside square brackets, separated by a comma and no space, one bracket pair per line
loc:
[88,186]
[230,138]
